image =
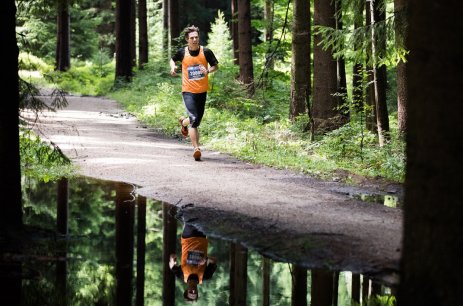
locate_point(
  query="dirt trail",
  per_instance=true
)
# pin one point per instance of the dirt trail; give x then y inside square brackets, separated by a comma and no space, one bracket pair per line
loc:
[285,215]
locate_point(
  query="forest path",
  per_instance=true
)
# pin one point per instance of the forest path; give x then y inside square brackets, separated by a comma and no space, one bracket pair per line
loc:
[283,214]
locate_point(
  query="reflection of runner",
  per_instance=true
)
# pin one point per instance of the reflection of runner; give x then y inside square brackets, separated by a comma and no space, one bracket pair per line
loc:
[195,265]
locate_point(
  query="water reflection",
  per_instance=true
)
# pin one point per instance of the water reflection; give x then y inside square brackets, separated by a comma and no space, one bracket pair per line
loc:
[99,243]
[196,264]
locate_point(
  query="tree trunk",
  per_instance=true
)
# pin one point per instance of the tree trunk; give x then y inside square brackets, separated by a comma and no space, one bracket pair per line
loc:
[63,57]
[245,47]
[174,25]
[401,34]
[11,212]
[378,49]
[142,34]
[300,66]
[165,26]
[341,70]
[370,107]
[268,33]
[234,31]
[357,69]
[133,29]
[123,40]
[324,108]
[433,211]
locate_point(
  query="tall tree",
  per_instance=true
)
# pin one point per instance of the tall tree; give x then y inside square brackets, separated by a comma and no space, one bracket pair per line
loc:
[300,63]
[245,47]
[268,32]
[11,208]
[400,36]
[433,210]
[124,40]
[341,68]
[378,49]
[357,67]
[165,25]
[142,34]
[63,55]
[174,25]
[234,30]
[133,30]
[324,108]
[370,102]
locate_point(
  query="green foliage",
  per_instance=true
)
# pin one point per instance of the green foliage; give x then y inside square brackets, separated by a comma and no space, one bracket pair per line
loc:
[220,41]
[86,78]
[40,160]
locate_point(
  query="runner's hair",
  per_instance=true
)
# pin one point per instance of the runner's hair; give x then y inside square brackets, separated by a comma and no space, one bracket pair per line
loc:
[190,29]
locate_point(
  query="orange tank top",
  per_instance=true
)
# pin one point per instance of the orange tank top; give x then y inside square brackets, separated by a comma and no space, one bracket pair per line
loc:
[193,80]
[194,250]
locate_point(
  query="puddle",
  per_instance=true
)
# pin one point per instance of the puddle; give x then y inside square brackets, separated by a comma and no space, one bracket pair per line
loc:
[92,242]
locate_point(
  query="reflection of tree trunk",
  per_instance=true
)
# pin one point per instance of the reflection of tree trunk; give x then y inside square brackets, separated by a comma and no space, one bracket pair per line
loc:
[240,275]
[299,286]
[356,288]
[169,245]
[375,288]
[231,299]
[365,289]
[335,287]
[62,206]
[62,228]
[322,288]
[141,231]
[266,270]
[124,243]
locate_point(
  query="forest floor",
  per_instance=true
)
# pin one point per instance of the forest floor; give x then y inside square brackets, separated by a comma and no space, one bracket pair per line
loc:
[284,215]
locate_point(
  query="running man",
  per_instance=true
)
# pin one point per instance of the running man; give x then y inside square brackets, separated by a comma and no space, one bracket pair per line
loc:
[195,60]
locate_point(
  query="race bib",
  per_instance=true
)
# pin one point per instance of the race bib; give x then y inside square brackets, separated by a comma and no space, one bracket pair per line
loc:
[194,257]
[194,73]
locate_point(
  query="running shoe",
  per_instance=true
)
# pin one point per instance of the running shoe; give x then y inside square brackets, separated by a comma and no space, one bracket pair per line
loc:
[197,154]
[184,129]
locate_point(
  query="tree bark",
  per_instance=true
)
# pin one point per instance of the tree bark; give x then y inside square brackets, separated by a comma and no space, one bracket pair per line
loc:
[165,26]
[300,65]
[433,210]
[174,25]
[123,40]
[63,57]
[11,208]
[341,70]
[378,49]
[324,108]
[357,73]
[142,34]
[245,47]
[401,34]
[234,31]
